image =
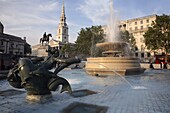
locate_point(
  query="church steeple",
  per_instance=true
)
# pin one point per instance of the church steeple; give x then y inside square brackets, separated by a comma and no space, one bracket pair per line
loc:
[62,32]
[63,9]
[63,17]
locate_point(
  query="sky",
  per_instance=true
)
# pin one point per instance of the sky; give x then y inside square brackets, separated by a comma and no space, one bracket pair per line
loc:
[31,18]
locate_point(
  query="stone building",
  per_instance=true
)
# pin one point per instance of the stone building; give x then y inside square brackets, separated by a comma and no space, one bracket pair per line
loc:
[11,45]
[138,27]
[62,32]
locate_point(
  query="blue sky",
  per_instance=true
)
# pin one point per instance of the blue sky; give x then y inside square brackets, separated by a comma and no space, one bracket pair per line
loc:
[31,18]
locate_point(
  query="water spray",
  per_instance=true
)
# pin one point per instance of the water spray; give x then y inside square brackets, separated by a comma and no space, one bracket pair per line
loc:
[132,86]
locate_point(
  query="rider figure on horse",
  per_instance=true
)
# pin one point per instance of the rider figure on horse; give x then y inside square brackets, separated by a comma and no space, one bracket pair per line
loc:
[44,35]
[45,38]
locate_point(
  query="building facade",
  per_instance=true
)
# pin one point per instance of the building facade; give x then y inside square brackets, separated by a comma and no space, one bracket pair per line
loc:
[11,46]
[137,27]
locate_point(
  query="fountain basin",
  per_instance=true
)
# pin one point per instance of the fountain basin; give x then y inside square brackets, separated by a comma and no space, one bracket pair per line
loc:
[113,48]
[113,66]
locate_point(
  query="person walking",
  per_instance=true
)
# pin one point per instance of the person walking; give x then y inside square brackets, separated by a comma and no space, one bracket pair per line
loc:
[151,66]
[161,65]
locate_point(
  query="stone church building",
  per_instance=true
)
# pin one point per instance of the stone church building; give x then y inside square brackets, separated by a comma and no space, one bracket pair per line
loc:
[62,37]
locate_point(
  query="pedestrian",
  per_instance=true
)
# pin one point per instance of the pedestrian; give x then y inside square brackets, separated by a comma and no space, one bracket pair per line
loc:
[165,66]
[151,66]
[161,65]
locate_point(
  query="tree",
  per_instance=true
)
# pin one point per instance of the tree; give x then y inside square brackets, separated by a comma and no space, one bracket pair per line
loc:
[129,38]
[158,36]
[68,49]
[87,38]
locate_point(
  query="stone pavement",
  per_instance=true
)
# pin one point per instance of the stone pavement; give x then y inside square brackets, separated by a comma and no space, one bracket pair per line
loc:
[146,93]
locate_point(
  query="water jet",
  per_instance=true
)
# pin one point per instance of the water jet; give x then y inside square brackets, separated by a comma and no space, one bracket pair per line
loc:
[117,57]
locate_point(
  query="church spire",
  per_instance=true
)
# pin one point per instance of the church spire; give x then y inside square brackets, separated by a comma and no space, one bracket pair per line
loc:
[63,17]
[62,32]
[63,9]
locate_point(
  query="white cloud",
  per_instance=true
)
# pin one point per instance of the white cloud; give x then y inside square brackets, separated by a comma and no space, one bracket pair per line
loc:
[50,6]
[97,12]
[29,18]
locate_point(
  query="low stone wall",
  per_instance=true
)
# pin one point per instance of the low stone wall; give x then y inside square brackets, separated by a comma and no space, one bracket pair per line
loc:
[3,74]
[147,65]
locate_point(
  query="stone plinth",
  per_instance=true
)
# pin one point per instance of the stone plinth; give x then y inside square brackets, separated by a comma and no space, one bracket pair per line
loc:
[113,66]
[39,50]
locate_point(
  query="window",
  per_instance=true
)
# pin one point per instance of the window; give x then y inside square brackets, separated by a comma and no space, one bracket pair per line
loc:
[147,21]
[142,55]
[58,37]
[135,23]
[141,21]
[148,54]
[12,45]
[2,43]
[147,25]
[136,54]
[136,28]
[59,31]
[141,27]
[136,48]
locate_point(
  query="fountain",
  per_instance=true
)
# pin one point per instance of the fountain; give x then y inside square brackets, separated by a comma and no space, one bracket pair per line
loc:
[117,58]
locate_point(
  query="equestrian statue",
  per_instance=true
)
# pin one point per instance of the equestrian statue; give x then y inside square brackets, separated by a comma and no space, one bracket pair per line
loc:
[45,38]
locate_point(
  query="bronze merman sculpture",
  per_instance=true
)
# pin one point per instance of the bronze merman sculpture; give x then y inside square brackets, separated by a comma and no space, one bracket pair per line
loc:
[36,78]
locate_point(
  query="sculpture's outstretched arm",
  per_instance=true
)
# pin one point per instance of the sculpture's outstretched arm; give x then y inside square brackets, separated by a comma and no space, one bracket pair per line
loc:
[59,60]
[66,64]
[42,71]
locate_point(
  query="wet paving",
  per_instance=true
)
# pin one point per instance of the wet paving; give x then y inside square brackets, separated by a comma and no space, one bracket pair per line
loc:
[81,93]
[145,93]
[10,92]
[77,107]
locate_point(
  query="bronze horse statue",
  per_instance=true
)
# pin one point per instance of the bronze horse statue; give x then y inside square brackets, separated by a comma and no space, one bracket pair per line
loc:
[45,38]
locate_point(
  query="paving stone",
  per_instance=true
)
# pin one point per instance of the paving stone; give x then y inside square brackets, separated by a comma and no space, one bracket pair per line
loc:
[151,95]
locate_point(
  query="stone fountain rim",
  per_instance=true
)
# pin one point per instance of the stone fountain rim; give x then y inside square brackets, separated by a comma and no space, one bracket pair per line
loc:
[113,58]
[110,43]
